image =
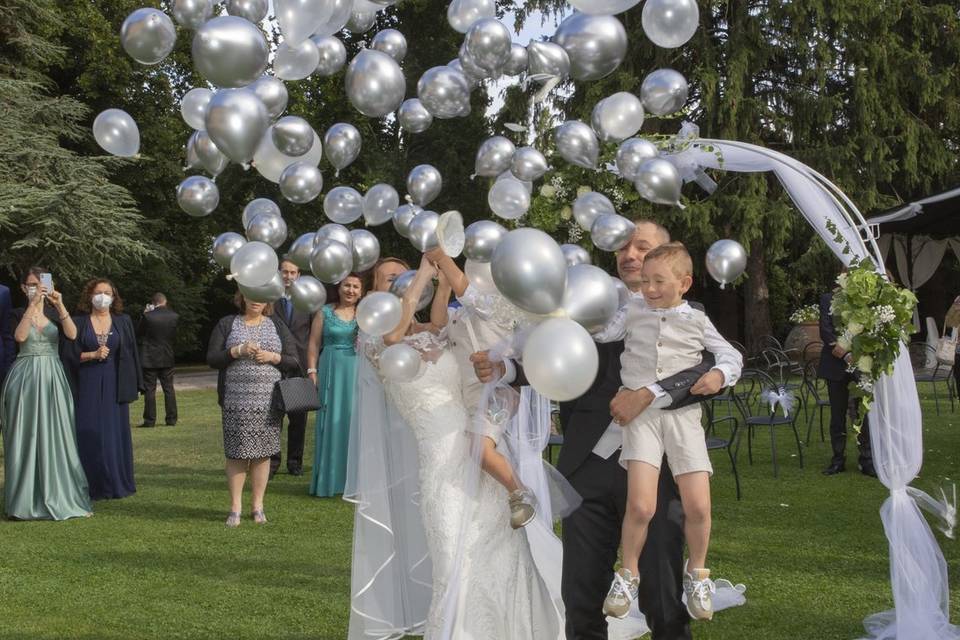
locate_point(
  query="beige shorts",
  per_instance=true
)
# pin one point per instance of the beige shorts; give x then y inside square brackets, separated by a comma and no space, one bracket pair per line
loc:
[676,433]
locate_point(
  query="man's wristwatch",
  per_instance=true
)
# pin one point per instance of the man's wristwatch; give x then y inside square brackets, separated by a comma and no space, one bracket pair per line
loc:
[309,371]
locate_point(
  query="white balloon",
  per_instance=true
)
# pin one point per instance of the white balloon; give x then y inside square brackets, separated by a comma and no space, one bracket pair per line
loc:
[509,199]
[117,133]
[269,292]
[379,203]
[399,362]
[343,205]
[300,18]
[296,62]
[670,23]
[193,107]
[480,276]
[270,162]
[461,14]
[254,264]
[339,16]
[560,359]
[575,254]
[603,7]
[379,313]
[334,231]
[257,206]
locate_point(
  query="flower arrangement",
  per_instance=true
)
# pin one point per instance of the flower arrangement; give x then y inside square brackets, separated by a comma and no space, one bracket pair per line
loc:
[806,314]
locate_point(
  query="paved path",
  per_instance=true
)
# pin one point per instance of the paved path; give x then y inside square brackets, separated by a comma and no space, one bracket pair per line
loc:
[192,380]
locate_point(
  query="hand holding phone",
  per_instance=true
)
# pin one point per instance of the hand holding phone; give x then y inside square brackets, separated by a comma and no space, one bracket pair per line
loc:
[46,281]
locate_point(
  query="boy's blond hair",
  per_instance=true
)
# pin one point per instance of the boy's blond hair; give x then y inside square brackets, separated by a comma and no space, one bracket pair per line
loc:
[676,254]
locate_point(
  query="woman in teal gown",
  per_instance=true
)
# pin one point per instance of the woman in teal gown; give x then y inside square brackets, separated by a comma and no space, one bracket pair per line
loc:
[43,477]
[334,331]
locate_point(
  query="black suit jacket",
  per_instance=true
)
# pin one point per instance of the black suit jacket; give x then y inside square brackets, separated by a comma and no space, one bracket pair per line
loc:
[831,367]
[299,326]
[157,331]
[129,373]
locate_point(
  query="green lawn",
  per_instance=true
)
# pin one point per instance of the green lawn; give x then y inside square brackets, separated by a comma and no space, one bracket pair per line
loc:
[162,565]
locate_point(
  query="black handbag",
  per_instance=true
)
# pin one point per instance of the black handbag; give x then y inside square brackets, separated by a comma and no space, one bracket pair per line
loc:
[295,395]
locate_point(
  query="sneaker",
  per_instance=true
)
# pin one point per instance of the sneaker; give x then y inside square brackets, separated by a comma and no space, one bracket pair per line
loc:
[522,508]
[623,591]
[699,589]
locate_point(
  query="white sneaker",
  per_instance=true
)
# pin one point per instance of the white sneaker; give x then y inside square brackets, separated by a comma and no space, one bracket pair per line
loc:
[623,591]
[699,589]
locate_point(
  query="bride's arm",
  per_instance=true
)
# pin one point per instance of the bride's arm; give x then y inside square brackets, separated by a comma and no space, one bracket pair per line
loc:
[441,300]
[409,301]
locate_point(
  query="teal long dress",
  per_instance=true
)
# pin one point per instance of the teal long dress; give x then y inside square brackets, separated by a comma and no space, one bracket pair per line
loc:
[336,378]
[43,477]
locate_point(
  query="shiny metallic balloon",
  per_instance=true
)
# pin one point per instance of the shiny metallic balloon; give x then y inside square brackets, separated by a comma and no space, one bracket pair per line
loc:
[424,184]
[211,158]
[528,164]
[560,359]
[659,181]
[254,264]
[379,203]
[236,121]
[342,144]
[361,21]
[331,261]
[596,45]
[603,7]
[529,269]
[403,281]
[229,51]
[670,23]
[375,83]
[270,162]
[300,18]
[444,91]
[257,206]
[390,42]
[494,156]
[575,254]
[339,15]
[726,261]
[617,117]
[379,313]
[366,249]
[488,44]
[198,196]
[296,61]
[517,62]
[482,237]
[623,293]
[148,35]
[333,231]
[461,14]
[590,206]
[509,198]
[399,363]
[193,160]
[301,182]
[413,116]
[343,205]
[591,299]
[631,154]
[117,133]
[547,59]
[300,251]
[333,55]
[611,232]
[269,229]
[225,245]
[193,107]
[479,276]
[292,135]
[307,294]
[465,64]
[423,231]
[664,91]
[253,10]
[402,218]
[270,292]
[577,143]
[273,93]
[190,14]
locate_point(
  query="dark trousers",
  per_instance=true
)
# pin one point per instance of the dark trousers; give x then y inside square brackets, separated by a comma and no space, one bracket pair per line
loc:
[839,394]
[296,430]
[591,537]
[150,377]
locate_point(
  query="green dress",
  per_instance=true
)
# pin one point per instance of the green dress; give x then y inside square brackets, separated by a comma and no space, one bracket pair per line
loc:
[44,479]
[336,376]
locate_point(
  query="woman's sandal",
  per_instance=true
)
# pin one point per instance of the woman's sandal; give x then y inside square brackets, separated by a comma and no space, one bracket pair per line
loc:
[258,516]
[233,519]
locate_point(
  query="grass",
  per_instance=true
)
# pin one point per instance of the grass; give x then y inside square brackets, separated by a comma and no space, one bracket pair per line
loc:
[160,564]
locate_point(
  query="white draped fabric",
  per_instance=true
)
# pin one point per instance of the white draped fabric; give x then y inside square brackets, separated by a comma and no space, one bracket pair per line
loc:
[925,256]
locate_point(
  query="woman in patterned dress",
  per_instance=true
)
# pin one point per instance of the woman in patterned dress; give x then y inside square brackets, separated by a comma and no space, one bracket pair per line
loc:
[251,350]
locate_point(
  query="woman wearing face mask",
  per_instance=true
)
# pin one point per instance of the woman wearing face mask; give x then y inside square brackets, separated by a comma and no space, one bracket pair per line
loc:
[334,331]
[251,350]
[105,367]
[37,411]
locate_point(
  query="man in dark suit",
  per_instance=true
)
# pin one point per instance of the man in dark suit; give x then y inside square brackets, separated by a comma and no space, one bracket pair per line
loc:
[833,368]
[157,332]
[299,324]
[7,342]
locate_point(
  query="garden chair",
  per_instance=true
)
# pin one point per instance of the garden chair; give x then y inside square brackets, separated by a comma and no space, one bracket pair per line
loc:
[731,444]
[921,355]
[767,416]
[814,398]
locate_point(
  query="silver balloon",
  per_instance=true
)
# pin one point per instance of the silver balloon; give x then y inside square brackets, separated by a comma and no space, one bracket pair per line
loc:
[670,23]
[413,116]
[390,42]
[611,232]
[424,184]
[402,218]
[494,156]
[590,206]
[366,249]
[517,62]
[482,237]
[547,59]
[236,121]
[444,91]
[193,107]
[659,181]
[193,160]
[301,182]
[225,245]
[726,261]
[148,35]
[574,254]
[479,276]
[273,93]
[331,261]
[300,18]
[488,44]
[596,44]
[423,231]
[379,203]
[300,251]
[361,21]
[631,154]
[664,91]
[507,175]
[403,281]
[297,61]
[270,162]
[374,83]
[560,359]
[333,231]
[623,293]
[270,292]
[268,228]
[461,14]
[603,7]
[229,51]
[617,117]
[399,363]
[257,206]
[591,299]
[254,264]
[379,313]
[509,198]
[342,142]
[307,294]
[339,15]
[190,14]
[333,55]
[253,10]
[528,164]
[474,73]
[210,157]
[343,205]
[117,133]
[198,196]
[529,269]
[578,144]
[292,135]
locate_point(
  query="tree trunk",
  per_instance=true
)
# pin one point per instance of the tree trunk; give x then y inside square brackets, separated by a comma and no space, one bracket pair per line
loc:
[757,300]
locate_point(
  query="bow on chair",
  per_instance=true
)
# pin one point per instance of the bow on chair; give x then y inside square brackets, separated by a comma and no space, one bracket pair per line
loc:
[779,396]
[944,509]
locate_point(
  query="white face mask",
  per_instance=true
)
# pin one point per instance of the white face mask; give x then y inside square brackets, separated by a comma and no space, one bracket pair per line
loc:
[102,301]
[32,291]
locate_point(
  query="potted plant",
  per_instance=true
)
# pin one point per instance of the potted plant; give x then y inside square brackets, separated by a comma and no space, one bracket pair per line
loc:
[806,331]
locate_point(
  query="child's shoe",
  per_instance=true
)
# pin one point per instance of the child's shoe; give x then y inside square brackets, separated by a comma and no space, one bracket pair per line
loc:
[699,589]
[522,508]
[623,591]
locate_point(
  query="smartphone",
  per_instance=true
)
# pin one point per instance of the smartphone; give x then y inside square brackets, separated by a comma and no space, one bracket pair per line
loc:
[46,280]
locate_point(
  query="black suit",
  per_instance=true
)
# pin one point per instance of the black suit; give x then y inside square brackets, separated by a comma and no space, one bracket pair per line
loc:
[298,323]
[157,332]
[834,371]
